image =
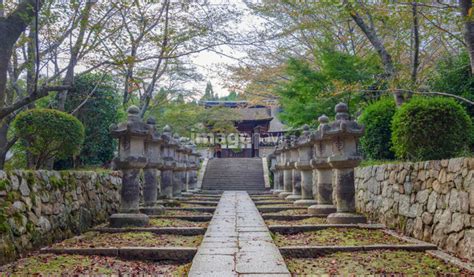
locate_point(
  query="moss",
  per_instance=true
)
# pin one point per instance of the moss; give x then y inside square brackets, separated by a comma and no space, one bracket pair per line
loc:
[30,177]
[30,227]
[12,196]
[4,226]
[56,182]
[4,184]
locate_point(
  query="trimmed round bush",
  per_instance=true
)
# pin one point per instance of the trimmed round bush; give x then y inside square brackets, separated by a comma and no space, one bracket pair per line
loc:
[47,134]
[376,143]
[430,129]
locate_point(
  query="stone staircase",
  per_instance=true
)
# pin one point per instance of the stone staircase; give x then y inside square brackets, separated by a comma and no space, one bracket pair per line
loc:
[239,174]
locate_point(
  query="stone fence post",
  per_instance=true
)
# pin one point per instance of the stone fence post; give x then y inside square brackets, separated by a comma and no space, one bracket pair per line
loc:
[344,134]
[179,169]
[131,159]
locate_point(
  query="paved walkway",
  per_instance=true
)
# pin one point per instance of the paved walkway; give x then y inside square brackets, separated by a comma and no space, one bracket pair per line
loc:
[237,242]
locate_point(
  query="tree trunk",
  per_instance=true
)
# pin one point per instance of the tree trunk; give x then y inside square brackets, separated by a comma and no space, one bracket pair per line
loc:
[4,145]
[416,45]
[467,15]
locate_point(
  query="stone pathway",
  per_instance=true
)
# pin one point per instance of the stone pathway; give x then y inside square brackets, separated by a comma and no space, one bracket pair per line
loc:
[237,242]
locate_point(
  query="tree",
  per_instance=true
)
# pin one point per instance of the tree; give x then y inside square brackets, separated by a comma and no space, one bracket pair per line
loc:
[48,134]
[468,18]
[209,93]
[95,101]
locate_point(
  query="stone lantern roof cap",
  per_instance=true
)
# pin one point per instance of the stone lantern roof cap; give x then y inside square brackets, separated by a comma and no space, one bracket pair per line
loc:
[134,126]
[343,125]
[167,136]
[155,136]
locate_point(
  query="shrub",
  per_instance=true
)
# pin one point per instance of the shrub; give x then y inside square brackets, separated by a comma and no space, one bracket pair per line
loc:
[47,134]
[430,129]
[377,119]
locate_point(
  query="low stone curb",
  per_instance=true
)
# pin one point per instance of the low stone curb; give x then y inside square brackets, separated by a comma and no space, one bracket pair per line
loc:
[290,217]
[315,251]
[131,253]
[196,218]
[450,259]
[196,209]
[271,203]
[204,203]
[185,231]
[290,229]
[278,209]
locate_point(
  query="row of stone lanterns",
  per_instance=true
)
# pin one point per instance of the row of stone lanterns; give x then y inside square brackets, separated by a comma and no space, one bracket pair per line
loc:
[142,147]
[317,165]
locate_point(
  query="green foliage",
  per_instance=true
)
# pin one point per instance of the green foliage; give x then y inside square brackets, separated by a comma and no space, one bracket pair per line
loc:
[97,114]
[181,116]
[48,134]
[377,118]
[430,129]
[312,92]
[452,74]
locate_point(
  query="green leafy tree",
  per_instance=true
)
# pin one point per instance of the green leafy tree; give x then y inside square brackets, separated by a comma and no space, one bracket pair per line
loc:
[209,93]
[452,74]
[313,90]
[430,129]
[48,134]
[96,103]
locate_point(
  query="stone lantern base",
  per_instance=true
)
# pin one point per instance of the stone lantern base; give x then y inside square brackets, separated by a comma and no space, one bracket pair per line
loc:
[293,197]
[346,218]
[304,202]
[284,194]
[154,210]
[128,220]
[277,191]
[321,209]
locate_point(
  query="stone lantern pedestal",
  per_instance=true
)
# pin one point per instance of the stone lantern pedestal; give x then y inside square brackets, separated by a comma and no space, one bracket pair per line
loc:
[168,165]
[150,187]
[296,174]
[305,152]
[287,172]
[131,159]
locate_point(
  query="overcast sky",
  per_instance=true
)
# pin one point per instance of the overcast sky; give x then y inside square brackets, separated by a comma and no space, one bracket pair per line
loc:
[210,64]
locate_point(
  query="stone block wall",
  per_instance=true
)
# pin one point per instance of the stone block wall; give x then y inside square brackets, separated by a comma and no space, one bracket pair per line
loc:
[432,201]
[41,207]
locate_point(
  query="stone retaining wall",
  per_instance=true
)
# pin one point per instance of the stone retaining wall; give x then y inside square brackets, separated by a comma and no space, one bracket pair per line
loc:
[40,207]
[432,201]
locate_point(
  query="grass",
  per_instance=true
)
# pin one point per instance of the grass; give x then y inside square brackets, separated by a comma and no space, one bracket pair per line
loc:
[289,205]
[170,222]
[131,239]
[185,213]
[373,262]
[337,236]
[290,212]
[74,265]
[306,221]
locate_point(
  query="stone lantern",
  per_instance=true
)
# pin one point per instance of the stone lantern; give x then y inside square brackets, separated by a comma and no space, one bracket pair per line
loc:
[344,134]
[287,170]
[131,159]
[305,153]
[296,175]
[278,170]
[167,153]
[150,187]
[193,168]
[179,169]
[322,174]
